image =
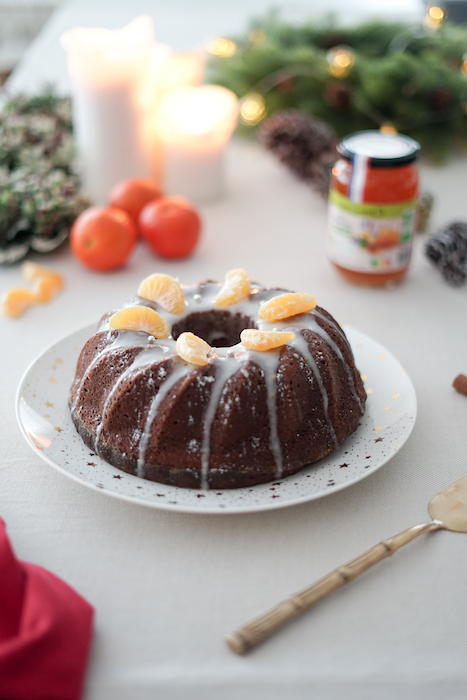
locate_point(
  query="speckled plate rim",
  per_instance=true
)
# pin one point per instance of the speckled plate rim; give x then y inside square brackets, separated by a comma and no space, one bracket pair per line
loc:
[47,427]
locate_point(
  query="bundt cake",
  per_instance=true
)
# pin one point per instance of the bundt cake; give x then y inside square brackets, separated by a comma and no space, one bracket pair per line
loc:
[216,385]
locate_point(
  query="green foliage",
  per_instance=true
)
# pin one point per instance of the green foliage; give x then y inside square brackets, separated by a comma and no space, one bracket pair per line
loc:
[39,188]
[403,74]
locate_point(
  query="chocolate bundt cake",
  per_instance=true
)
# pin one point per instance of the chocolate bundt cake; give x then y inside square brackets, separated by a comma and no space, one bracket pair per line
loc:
[216,386]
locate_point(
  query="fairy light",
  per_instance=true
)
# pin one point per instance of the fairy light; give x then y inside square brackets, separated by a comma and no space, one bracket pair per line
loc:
[388,128]
[252,109]
[257,36]
[464,64]
[435,16]
[221,47]
[341,60]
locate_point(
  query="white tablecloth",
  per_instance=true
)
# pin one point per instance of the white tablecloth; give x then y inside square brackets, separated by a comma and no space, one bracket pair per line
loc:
[168,586]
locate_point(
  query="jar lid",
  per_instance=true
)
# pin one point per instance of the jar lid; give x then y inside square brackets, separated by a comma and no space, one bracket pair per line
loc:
[383,150]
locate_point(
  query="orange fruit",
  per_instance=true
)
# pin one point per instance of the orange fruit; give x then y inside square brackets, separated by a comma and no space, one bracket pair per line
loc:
[103,238]
[132,195]
[171,226]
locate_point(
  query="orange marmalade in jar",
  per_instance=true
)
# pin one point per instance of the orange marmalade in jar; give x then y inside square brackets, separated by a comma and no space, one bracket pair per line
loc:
[372,202]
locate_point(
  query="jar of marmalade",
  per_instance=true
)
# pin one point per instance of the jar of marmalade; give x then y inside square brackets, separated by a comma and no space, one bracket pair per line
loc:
[372,203]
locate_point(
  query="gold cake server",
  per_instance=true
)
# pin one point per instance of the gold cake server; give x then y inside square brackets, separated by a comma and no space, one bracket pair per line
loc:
[448,510]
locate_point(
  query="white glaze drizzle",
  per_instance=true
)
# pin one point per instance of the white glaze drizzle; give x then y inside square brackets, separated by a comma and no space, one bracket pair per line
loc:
[178,372]
[300,344]
[269,363]
[327,338]
[226,367]
[346,365]
[146,356]
[125,339]
[308,322]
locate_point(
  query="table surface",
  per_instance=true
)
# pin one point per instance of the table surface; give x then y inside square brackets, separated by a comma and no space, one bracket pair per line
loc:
[168,586]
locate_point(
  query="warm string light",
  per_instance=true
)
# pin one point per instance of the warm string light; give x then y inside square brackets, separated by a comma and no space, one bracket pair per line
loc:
[221,47]
[464,64]
[435,16]
[252,109]
[257,36]
[341,60]
[388,128]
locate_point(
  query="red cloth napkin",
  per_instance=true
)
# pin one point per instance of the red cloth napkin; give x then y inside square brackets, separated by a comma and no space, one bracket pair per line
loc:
[45,632]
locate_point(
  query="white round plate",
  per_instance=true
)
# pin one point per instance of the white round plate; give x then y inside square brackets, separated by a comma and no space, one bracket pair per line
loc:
[44,418]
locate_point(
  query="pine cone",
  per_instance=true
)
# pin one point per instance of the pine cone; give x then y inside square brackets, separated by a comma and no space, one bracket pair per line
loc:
[297,140]
[448,251]
[423,212]
[320,172]
[285,83]
[440,100]
[328,42]
[338,95]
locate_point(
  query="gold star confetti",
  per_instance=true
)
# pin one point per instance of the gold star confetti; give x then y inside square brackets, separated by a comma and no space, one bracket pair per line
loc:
[380,439]
[48,404]
[52,380]
[396,396]
[46,415]
[382,357]
[369,391]
[59,360]
[364,377]
[58,429]
[378,427]
[387,408]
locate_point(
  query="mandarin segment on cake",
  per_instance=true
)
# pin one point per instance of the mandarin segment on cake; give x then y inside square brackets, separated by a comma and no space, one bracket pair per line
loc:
[165,290]
[192,348]
[286,305]
[239,386]
[262,341]
[236,288]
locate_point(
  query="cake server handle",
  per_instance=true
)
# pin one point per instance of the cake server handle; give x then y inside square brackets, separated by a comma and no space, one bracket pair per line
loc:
[255,632]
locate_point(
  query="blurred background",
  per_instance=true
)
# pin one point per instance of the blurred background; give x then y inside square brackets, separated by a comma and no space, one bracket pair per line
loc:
[22,20]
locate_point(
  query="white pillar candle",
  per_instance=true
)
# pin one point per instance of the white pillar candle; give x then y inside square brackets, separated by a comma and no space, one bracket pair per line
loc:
[182,69]
[109,72]
[169,70]
[195,125]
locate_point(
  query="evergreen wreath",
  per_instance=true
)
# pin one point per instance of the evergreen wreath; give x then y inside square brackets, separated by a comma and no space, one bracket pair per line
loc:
[410,77]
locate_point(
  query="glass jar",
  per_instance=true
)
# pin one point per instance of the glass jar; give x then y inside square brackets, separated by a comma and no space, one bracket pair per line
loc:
[372,203]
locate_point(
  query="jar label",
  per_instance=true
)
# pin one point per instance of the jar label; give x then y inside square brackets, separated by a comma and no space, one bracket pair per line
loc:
[369,237]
